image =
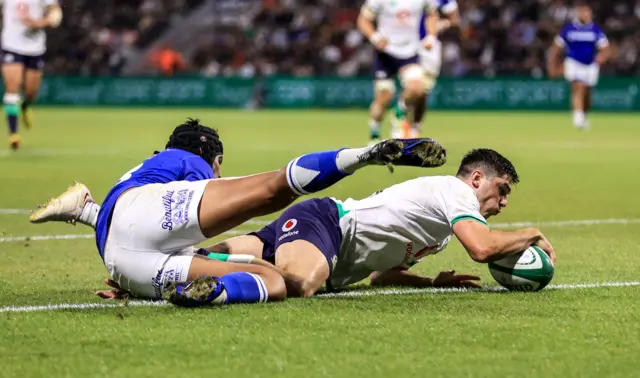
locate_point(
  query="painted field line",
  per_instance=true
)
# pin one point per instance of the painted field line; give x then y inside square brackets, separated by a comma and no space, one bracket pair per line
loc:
[55,152]
[258,222]
[566,223]
[19,239]
[355,293]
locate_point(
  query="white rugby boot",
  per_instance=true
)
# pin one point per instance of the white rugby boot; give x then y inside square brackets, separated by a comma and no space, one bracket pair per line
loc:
[66,207]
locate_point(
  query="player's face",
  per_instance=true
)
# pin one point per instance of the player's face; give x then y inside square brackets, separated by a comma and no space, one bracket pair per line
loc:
[584,14]
[493,193]
[217,162]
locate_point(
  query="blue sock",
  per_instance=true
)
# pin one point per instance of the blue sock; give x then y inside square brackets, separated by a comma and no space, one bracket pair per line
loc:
[12,110]
[314,172]
[244,287]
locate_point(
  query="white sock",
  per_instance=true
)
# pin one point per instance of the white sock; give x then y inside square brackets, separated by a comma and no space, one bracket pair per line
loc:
[89,214]
[349,160]
[578,118]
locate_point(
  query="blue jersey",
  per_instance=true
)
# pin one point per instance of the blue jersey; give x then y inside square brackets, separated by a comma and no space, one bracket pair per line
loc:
[445,7]
[167,166]
[582,41]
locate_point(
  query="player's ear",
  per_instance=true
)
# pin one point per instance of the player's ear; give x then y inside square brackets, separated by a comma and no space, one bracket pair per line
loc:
[476,178]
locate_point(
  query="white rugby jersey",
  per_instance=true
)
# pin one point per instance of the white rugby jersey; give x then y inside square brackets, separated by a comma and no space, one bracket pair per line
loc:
[16,37]
[400,225]
[399,23]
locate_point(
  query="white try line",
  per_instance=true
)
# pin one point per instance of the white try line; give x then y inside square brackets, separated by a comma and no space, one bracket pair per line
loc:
[258,222]
[355,293]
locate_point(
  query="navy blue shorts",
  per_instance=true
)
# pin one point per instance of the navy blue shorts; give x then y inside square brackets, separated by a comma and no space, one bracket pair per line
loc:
[387,66]
[316,221]
[29,62]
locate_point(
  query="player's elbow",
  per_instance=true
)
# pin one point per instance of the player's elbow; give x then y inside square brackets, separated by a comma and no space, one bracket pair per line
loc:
[480,253]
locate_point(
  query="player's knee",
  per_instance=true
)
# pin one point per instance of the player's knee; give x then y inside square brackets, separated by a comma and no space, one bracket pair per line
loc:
[309,287]
[417,90]
[276,287]
[384,88]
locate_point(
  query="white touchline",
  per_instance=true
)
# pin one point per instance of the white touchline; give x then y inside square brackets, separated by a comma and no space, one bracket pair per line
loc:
[260,222]
[354,293]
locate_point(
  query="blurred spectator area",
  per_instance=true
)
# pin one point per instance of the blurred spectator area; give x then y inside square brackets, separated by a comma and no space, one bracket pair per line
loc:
[97,37]
[497,37]
[318,37]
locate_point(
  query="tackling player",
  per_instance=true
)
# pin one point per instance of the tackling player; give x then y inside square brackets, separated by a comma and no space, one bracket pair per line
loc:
[23,48]
[431,62]
[396,41]
[151,219]
[383,235]
[587,48]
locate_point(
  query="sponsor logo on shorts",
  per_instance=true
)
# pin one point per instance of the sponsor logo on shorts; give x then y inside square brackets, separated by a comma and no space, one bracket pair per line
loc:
[167,200]
[288,234]
[176,208]
[9,58]
[161,278]
[289,225]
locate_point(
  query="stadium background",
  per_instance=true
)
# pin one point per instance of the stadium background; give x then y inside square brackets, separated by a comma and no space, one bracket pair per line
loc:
[301,53]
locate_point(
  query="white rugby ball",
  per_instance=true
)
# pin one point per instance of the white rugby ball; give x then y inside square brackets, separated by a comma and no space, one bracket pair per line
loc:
[530,270]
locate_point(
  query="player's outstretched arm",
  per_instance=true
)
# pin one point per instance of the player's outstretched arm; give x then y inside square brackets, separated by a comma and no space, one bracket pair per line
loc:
[402,276]
[553,61]
[485,245]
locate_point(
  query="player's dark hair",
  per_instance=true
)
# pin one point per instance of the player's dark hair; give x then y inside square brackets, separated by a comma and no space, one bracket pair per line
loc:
[198,139]
[489,161]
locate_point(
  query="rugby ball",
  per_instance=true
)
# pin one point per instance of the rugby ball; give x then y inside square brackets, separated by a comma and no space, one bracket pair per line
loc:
[530,270]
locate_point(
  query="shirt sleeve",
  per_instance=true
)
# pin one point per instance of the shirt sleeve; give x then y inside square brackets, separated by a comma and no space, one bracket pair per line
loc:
[602,40]
[371,8]
[460,205]
[430,6]
[561,39]
[449,7]
[195,169]
[50,2]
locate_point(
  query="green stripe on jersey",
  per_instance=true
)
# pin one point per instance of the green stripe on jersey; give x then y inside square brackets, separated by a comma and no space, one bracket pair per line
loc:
[341,211]
[466,217]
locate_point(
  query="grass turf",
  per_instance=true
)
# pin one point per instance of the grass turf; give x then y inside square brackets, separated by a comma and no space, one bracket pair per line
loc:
[566,175]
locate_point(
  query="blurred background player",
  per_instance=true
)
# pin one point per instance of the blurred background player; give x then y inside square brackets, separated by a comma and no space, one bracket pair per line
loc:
[431,62]
[587,48]
[23,48]
[397,42]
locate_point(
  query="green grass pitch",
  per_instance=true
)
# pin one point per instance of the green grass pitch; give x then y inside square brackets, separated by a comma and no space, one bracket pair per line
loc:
[559,332]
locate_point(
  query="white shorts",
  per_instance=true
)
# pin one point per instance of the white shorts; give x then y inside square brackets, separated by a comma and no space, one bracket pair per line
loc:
[585,73]
[153,232]
[431,60]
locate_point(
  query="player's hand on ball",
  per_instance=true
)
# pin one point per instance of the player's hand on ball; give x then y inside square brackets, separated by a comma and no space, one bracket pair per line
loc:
[544,244]
[449,278]
[116,291]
